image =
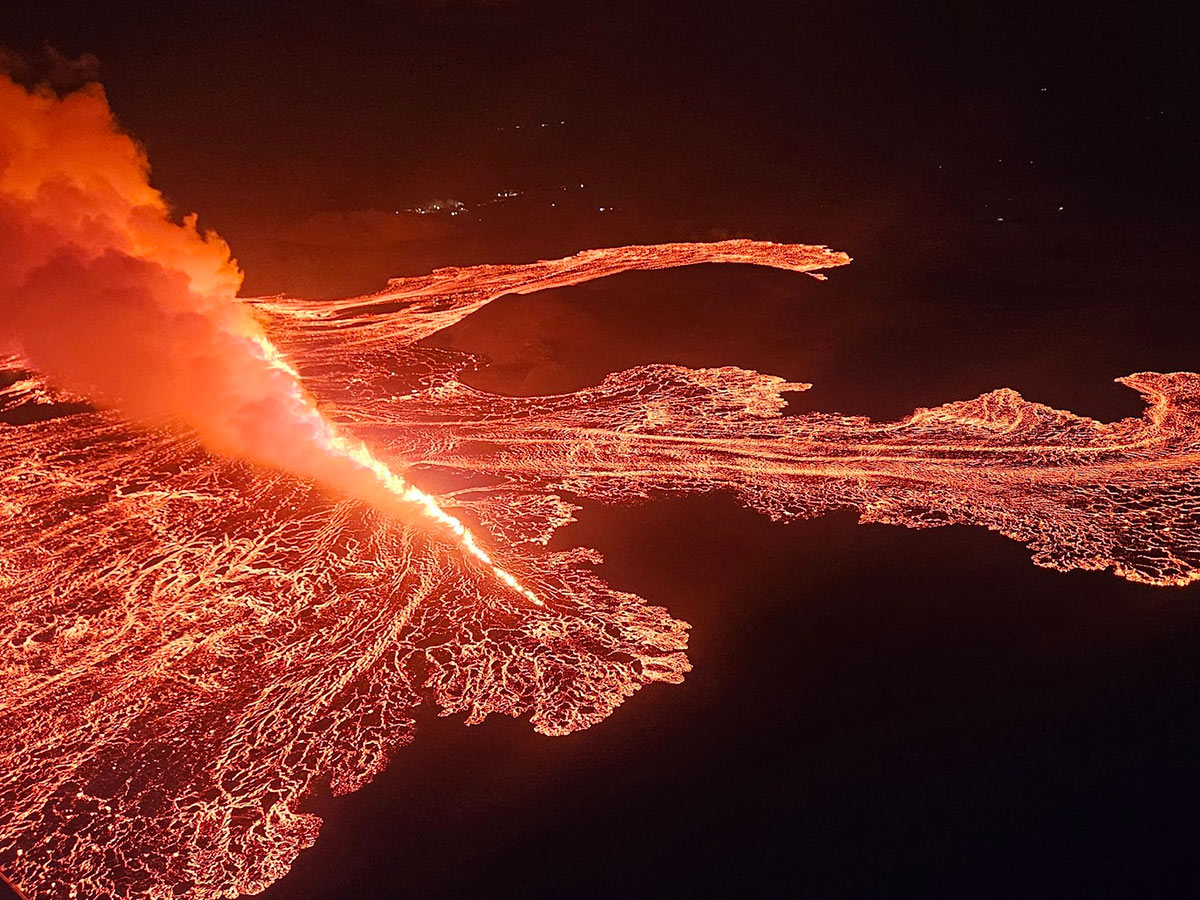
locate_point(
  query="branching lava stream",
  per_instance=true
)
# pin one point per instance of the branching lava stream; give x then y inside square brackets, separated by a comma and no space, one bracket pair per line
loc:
[191,642]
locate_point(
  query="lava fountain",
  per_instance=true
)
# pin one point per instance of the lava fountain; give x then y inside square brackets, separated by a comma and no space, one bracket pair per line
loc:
[220,587]
[104,292]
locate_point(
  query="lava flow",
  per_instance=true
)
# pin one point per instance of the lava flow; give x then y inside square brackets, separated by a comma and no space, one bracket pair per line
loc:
[214,599]
[104,292]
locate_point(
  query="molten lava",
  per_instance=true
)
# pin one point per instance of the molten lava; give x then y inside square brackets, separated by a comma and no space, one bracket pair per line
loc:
[102,290]
[203,618]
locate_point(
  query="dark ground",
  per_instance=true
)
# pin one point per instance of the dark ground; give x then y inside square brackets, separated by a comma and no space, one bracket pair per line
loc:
[874,712]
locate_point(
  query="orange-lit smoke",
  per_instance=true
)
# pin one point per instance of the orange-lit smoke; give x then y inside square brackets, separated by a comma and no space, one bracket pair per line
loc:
[101,289]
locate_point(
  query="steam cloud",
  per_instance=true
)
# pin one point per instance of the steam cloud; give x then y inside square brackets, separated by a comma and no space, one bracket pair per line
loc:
[101,290]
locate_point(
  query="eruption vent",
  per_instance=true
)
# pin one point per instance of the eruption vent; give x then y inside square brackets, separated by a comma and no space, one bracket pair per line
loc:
[109,297]
[190,646]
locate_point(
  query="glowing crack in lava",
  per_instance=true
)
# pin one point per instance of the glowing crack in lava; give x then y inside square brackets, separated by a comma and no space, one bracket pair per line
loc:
[201,623]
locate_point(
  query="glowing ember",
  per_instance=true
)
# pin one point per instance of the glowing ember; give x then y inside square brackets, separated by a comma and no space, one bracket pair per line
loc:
[196,631]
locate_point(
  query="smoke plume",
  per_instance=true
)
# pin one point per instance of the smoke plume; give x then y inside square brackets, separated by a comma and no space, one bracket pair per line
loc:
[105,293]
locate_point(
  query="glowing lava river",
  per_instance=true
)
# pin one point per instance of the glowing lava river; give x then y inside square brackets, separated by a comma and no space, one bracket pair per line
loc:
[195,636]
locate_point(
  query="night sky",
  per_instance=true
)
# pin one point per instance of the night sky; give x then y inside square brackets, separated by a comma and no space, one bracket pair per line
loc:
[874,712]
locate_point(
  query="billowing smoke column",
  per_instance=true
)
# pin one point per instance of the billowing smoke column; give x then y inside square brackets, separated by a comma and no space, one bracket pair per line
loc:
[104,292]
